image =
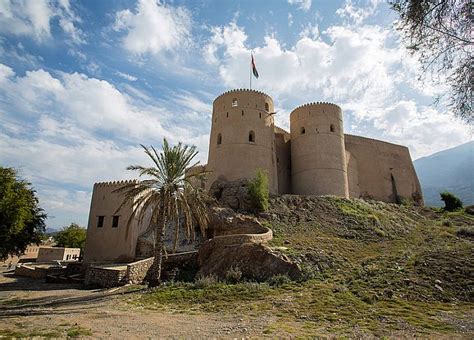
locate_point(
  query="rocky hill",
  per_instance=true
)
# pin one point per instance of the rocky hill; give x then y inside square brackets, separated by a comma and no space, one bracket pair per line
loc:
[449,170]
[370,269]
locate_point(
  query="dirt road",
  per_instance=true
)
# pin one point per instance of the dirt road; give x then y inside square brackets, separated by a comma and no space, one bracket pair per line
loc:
[30,307]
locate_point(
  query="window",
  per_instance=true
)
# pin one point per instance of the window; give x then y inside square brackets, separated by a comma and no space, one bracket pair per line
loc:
[100,221]
[303,131]
[252,137]
[235,102]
[266,107]
[227,114]
[115,220]
[219,139]
[242,112]
[260,115]
[332,128]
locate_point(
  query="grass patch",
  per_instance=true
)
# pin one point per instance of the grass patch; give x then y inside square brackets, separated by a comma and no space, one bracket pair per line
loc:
[78,331]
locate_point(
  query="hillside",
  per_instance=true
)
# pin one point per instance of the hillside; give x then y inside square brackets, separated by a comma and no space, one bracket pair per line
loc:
[447,170]
[371,269]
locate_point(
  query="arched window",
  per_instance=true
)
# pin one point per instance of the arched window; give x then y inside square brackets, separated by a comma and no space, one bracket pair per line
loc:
[332,128]
[252,136]
[267,107]
[219,139]
[227,114]
[303,131]
[235,102]
[260,115]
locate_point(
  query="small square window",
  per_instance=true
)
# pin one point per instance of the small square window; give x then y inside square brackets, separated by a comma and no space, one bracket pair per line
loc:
[100,221]
[115,221]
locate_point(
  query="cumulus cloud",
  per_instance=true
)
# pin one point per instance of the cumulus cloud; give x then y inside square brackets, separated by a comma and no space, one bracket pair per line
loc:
[357,14]
[33,18]
[358,66]
[305,5]
[67,130]
[153,27]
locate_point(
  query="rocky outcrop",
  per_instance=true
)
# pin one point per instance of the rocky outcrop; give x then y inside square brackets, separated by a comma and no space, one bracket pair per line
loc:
[255,261]
[238,243]
[231,194]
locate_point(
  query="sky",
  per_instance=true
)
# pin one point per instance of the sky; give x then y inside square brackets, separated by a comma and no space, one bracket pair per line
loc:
[84,83]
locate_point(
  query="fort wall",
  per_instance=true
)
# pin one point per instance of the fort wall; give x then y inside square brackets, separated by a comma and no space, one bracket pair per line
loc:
[283,160]
[242,137]
[318,158]
[384,170]
[108,241]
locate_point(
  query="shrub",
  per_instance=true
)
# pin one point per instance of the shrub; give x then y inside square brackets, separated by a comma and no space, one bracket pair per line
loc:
[451,202]
[205,281]
[466,232]
[233,275]
[279,280]
[258,191]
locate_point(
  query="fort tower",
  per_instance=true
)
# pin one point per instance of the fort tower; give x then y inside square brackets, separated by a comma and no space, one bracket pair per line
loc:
[242,137]
[318,157]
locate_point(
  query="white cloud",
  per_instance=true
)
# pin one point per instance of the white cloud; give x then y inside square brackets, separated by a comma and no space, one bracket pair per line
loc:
[290,20]
[360,67]
[154,27]
[305,5]
[33,18]
[126,76]
[67,131]
[357,14]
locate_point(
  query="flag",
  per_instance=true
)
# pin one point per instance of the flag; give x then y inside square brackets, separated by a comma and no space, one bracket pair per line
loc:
[254,68]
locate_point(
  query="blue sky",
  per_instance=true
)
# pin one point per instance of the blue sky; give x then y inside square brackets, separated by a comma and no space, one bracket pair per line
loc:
[82,84]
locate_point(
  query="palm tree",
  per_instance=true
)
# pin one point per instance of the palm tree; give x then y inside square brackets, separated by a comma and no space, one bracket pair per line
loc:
[167,197]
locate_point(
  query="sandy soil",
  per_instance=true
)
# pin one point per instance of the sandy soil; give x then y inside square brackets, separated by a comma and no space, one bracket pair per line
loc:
[41,307]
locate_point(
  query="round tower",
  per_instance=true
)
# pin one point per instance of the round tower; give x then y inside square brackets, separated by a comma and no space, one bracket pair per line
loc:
[318,158]
[242,137]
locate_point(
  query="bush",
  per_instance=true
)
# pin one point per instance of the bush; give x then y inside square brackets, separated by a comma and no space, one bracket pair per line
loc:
[451,202]
[205,281]
[279,280]
[233,275]
[258,191]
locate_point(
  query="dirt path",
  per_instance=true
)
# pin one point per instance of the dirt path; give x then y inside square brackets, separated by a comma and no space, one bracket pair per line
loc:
[31,307]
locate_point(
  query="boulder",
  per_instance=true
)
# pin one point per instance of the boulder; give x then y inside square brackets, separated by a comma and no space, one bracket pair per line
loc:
[255,261]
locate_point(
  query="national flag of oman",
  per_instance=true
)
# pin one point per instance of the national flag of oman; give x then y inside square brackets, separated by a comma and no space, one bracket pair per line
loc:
[254,68]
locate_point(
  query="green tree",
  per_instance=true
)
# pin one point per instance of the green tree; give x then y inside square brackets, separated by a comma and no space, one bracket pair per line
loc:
[439,32]
[73,236]
[21,218]
[167,197]
[258,190]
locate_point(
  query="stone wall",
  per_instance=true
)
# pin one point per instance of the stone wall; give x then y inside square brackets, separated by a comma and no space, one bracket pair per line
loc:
[105,276]
[35,272]
[137,271]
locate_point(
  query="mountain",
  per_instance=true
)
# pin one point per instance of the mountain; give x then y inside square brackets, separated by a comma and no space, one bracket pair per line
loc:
[449,170]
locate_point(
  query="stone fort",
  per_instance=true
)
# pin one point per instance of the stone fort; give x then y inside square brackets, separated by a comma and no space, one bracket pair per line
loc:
[315,157]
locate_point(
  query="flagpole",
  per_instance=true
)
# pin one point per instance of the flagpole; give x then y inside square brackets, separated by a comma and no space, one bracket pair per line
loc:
[250,69]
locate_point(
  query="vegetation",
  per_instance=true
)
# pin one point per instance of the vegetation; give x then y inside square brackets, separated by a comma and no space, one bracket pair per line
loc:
[258,190]
[169,196]
[451,202]
[439,32]
[21,218]
[372,270]
[73,236]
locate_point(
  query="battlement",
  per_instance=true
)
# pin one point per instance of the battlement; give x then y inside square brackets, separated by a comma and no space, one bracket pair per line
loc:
[316,103]
[242,90]
[115,183]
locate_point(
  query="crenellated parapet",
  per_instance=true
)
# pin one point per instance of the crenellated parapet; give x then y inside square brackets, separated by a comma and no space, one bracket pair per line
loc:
[250,91]
[116,183]
[317,103]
